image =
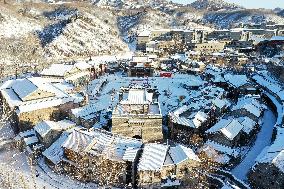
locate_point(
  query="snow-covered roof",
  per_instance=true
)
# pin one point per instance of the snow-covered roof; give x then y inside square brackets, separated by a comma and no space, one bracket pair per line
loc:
[78,140]
[248,124]
[232,129]
[229,127]
[145,33]
[30,132]
[44,127]
[23,87]
[55,152]
[31,140]
[86,112]
[130,154]
[236,80]
[15,92]
[138,96]
[181,57]
[222,148]
[198,118]
[82,65]
[194,120]
[103,143]
[57,70]
[77,76]
[153,157]
[141,59]
[181,153]
[249,104]
[221,103]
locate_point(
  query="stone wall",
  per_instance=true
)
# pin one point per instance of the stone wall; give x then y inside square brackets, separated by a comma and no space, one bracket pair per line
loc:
[98,169]
[29,119]
[149,130]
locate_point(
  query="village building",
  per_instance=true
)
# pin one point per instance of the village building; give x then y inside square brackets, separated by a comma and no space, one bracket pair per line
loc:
[233,132]
[142,39]
[54,154]
[268,171]
[235,34]
[207,48]
[220,154]
[195,36]
[140,67]
[86,116]
[28,142]
[163,165]
[152,47]
[49,131]
[184,127]
[193,67]
[100,157]
[188,123]
[138,114]
[78,73]
[248,106]
[239,85]
[241,45]
[32,100]
[220,106]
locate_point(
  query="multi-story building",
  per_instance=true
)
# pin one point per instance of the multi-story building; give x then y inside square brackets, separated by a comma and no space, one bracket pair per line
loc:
[140,66]
[207,47]
[139,114]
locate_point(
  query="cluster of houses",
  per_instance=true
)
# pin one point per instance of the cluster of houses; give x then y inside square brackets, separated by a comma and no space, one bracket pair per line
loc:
[225,47]
[214,124]
[57,120]
[133,144]
[162,40]
[108,159]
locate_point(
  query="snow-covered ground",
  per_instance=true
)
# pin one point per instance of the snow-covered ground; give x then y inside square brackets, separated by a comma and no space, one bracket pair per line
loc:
[169,88]
[12,26]
[17,173]
[263,139]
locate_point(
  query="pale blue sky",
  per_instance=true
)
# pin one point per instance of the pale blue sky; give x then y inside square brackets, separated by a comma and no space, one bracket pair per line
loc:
[269,4]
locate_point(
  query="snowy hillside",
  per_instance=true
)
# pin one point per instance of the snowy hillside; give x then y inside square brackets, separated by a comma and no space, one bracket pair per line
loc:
[12,26]
[83,35]
[214,5]
[132,4]
[226,19]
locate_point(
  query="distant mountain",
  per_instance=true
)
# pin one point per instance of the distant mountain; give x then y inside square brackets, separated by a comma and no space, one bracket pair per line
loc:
[132,3]
[214,5]
[228,19]
[281,13]
[278,9]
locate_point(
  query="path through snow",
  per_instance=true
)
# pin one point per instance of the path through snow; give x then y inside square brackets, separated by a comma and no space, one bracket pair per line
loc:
[263,139]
